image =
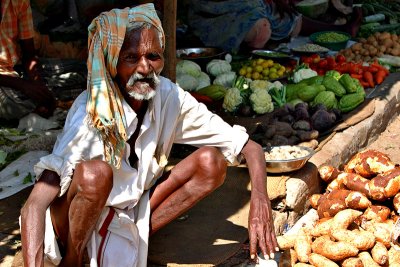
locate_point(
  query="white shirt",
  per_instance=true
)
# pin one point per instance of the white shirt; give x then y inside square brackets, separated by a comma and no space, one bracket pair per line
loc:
[173,116]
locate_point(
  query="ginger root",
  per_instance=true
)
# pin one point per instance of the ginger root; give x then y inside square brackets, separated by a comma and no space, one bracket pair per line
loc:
[379,253]
[352,262]
[333,250]
[367,260]
[362,240]
[321,261]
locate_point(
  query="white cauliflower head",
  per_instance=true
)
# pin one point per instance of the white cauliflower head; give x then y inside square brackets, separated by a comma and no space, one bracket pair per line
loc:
[261,101]
[232,99]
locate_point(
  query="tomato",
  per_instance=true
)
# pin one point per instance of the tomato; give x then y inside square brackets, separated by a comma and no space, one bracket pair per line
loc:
[323,63]
[331,62]
[340,58]
[315,58]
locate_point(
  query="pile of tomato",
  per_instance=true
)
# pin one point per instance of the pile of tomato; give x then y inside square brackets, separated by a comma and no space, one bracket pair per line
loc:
[369,75]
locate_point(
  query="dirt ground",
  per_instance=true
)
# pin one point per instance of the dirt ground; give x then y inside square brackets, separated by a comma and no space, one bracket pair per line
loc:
[387,142]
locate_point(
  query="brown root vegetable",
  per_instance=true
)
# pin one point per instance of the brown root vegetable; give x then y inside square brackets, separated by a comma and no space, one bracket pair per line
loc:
[279,140]
[307,135]
[286,242]
[355,182]
[333,250]
[385,185]
[314,200]
[344,218]
[321,261]
[302,245]
[394,256]
[362,240]
[328,173]
[270,131]
[336,184]
[396,203]
[322,227]
[330,207]
[301,264]
[313,143]
[352,199]
[357,200]
[379,253]
[283,128]
[376,213]
[382,231]
[367,260]
[369,163]
[293,140]
[352,262]
[302,125]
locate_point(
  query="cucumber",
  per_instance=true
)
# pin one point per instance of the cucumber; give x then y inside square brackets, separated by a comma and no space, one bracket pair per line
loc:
[374,18]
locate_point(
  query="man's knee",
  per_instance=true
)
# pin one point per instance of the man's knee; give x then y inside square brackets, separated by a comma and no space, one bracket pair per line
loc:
[213,162]
[94,178]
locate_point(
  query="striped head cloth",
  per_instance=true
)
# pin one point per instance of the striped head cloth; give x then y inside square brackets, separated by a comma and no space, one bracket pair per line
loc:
[104,103]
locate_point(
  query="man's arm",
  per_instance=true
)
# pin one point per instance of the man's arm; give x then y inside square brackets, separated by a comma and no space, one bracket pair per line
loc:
[33,217]
[261,226]
[30,59]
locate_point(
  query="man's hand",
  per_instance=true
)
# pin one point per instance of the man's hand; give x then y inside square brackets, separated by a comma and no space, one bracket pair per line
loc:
[41,95]
[261,225]
[261,228]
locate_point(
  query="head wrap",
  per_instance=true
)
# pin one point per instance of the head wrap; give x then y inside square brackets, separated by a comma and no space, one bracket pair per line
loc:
[104,103]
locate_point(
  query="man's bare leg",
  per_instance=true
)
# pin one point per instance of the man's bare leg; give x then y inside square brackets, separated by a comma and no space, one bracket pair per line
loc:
[188,182]
[75,214]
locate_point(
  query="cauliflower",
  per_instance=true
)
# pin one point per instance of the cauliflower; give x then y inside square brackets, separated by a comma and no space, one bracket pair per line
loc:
[204,80]
[302,74]
[226,79]
[232,99]
[259,84]
[218,66]
[188,67]
[261,101]
[276,84]
[187,82]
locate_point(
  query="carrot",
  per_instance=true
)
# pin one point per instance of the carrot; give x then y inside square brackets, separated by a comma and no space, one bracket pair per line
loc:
[364,83]
[371,68]
[380,67]
[369,78]
[357,76]
[380,76]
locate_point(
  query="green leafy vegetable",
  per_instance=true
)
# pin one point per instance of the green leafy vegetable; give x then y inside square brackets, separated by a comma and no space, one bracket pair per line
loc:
[28,179]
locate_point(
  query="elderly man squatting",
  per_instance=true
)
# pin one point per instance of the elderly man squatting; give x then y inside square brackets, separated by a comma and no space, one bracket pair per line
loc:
[103,188]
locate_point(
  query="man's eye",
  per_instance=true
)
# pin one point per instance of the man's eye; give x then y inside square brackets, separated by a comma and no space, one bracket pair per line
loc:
[153,56]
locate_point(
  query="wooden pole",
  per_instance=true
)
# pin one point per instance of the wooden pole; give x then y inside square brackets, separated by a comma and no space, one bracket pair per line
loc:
[169,25]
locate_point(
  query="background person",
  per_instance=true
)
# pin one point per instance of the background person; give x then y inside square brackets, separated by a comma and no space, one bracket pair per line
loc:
[20,96]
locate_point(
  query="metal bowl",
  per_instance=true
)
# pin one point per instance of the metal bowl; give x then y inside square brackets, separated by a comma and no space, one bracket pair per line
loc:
[200,53]
[288,165]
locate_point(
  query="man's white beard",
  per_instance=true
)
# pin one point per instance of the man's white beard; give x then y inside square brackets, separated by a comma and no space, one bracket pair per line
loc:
[146,90]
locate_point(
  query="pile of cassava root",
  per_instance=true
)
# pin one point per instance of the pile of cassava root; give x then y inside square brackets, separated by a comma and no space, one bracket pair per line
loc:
[357,215]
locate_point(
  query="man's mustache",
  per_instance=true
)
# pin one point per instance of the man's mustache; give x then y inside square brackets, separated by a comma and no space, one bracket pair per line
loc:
[152,79]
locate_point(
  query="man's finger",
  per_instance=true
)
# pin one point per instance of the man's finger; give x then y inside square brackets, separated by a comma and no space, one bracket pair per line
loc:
[253,244]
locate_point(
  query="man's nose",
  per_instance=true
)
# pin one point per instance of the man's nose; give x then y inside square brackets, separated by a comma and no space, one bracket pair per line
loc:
[143,66]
